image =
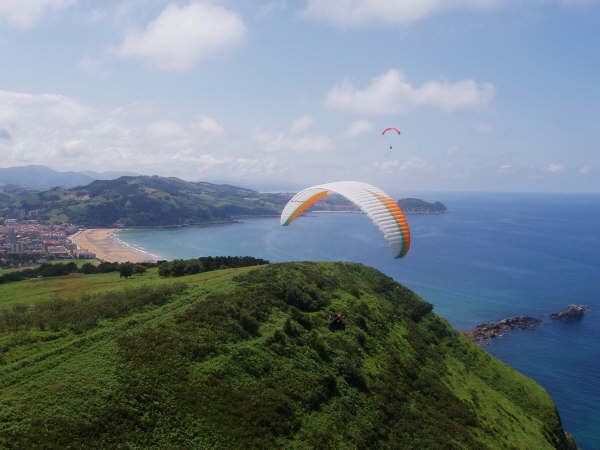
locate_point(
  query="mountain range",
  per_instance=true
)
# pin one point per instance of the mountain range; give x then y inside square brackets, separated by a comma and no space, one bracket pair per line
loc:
[42,177]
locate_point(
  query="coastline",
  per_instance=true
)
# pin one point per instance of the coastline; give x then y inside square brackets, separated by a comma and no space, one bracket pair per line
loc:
[105,244]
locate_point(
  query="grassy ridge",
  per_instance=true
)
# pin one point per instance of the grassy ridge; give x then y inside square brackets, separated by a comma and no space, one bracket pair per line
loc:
[242,358]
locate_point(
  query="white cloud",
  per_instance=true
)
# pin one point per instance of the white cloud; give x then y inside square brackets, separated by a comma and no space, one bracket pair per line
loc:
[585,170]
[270,8]
[62,133]
[97,15]
[89,65]
[24,14]
[555,168]
[181,36]
[166,130]
[271,142]
[484,128]
[295,139]
[397,166]
[350,13]
[357,128]
[390,93]
[453,150]
[301,124]
[208,125]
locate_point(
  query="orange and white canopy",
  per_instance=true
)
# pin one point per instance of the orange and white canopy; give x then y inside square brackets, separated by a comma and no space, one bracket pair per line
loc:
[381,209]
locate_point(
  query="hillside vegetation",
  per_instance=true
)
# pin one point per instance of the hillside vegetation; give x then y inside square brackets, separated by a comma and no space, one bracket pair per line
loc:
[243,358]
[148,201]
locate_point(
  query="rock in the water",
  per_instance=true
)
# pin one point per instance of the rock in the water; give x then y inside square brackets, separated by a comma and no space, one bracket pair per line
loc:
[490,330]
[571,312]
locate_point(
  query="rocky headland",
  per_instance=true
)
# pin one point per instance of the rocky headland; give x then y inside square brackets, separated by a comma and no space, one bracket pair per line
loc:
[486,331]
[571,312]
[418,206]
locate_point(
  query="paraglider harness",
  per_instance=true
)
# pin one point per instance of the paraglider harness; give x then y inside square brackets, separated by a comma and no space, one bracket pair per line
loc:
[336,323]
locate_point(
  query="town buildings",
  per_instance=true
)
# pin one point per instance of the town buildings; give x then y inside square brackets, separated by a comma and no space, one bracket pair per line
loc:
[28,239]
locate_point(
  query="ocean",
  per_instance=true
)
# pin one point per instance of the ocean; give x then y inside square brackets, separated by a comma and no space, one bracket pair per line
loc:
[492,256]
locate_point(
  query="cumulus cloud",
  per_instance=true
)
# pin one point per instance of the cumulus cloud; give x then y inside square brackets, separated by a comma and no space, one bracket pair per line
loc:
[390,93]
[296,139]
[301,124]
[268,141]
[453,150]
[357,128]
[270,8]
[584,170]
[89,65]
[60,132]
[351,13]
[25,14]
[484,128]
[181,36]
[555,168]
[208,125]
[397,166]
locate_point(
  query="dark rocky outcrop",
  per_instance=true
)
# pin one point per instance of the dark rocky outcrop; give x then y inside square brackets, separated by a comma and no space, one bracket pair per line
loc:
[486,331]
[571,312]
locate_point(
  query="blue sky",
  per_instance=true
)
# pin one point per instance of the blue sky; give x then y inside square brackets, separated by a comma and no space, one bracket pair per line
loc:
[490,95]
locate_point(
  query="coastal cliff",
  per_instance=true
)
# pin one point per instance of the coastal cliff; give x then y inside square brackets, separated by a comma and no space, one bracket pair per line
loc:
[243,358]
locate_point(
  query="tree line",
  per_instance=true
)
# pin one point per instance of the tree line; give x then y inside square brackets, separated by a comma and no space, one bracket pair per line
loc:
[59,269]
[180,267]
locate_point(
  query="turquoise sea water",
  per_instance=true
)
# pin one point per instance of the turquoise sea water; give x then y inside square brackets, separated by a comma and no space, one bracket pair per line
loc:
[492,256]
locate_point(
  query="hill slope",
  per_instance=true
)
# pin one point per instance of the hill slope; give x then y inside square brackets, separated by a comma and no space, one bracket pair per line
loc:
[242,358]
[149,201]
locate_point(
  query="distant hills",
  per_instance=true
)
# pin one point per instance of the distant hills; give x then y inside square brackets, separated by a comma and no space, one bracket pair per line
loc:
[146,201]
[42,177]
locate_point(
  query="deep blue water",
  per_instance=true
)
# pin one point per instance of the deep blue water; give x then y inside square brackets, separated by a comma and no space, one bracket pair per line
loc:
[492,256]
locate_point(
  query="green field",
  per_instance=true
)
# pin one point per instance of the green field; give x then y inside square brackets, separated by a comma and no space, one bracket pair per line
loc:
[242,358]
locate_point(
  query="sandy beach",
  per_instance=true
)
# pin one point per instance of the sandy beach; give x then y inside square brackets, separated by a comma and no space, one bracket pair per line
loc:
[103,242]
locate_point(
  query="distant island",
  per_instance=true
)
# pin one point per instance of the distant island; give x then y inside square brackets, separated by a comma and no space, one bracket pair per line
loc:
[418,206]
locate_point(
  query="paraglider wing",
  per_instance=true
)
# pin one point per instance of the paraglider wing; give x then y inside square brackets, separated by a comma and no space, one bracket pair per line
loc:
[381,209]
[391,128]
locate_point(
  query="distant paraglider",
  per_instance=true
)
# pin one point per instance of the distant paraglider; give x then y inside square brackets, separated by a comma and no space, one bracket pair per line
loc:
[381,209]
[392,129]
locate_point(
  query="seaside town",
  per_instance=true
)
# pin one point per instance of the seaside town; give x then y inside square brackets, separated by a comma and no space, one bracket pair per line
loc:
[29,240]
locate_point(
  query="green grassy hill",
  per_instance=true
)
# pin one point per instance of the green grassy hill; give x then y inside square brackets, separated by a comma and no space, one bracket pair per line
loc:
[243,358]
[148,201]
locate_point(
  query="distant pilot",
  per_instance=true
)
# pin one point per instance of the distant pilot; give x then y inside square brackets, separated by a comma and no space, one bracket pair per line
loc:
[336,322]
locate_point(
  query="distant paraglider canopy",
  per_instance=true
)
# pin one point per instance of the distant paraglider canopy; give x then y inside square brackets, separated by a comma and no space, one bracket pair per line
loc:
[381,209]
[392,129]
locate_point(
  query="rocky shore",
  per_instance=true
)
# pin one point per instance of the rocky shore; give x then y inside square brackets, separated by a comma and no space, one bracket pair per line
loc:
[486,331]
[571,312]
